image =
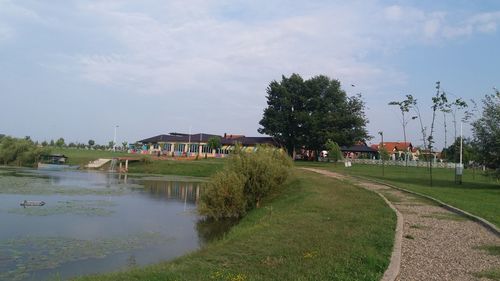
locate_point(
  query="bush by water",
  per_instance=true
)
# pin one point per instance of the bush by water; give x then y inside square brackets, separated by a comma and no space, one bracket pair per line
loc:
[246,179]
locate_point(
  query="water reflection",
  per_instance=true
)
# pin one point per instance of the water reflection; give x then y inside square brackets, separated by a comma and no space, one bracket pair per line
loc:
[146,222]
[188,192]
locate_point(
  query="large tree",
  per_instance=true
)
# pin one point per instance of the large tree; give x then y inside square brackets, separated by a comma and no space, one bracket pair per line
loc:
[309,113]
[487,133]
[283,117]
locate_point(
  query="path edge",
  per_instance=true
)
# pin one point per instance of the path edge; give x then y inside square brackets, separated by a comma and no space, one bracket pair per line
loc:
[392,271]
[483,222]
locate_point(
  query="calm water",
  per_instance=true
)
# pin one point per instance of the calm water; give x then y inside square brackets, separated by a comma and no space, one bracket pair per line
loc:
[94,222]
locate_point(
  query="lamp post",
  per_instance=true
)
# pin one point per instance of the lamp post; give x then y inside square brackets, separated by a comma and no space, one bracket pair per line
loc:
[114,139]
[461,166]
[381,156]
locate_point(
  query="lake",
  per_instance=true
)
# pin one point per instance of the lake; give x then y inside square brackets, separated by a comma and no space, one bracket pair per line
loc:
[95,222]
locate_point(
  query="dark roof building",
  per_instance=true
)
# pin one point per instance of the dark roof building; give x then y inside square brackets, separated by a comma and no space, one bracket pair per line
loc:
[227,139]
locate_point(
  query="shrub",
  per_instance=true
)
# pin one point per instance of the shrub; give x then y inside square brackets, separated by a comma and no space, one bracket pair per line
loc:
[145,160]
[262,172]
[22,152]
[223,197]
[334,151]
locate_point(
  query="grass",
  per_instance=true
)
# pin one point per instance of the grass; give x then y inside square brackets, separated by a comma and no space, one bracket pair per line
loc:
[477,194]
[195,168]
[493,274]
[317,229]
[491,249]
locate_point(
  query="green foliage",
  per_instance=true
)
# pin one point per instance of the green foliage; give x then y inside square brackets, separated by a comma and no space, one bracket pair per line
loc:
[334,152]
[308,113]
[60,142]
[21,152]
[487,133]
[223,196]
[261,172]
[383,153]
[91,143]
[452,152]
[214,143]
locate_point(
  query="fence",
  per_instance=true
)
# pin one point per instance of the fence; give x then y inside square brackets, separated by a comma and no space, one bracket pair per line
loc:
[401,163]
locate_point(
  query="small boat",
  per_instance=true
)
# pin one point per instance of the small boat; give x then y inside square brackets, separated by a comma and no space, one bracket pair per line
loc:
[27,203]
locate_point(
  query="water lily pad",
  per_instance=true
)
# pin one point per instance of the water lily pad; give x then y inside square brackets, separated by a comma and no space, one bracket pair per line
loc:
[38,253]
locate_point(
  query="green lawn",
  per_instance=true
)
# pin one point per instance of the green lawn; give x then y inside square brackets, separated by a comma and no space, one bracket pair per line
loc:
[317,229]
[196,168]
[477,194]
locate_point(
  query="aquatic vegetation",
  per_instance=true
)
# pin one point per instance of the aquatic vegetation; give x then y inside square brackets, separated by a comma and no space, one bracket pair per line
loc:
[76,207]
[22,256]
[90,218]
[43,186]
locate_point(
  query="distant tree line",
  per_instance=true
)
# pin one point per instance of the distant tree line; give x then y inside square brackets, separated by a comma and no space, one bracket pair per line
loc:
[91,144]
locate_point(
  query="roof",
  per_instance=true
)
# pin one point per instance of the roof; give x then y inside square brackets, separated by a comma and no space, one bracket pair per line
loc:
[358,148]
[53,156]
[202,137]
[249,141]
[179,138]
[394,146]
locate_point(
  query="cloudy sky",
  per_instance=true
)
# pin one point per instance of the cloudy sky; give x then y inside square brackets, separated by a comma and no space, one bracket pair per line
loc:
[75,69]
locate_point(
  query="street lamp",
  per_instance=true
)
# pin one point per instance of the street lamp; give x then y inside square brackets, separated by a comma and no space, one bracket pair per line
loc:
[380,151]
[114,139]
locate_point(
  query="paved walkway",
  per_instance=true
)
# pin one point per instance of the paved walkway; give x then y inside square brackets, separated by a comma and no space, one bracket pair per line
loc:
[437,244]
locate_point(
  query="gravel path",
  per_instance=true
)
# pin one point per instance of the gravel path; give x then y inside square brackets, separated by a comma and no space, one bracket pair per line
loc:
[437,244]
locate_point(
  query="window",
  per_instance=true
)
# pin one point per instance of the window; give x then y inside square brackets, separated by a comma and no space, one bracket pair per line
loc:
[167,146]
[193,148]
[205,149]
[179,147]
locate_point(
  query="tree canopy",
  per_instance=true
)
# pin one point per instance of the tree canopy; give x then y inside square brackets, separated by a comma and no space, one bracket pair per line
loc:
[307,113]
[487,133]
[214,143]
[21,152]
[452,152]
[334,152]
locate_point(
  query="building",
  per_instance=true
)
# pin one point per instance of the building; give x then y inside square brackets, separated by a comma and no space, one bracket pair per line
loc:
[359,151]
[397,150]
[191,145]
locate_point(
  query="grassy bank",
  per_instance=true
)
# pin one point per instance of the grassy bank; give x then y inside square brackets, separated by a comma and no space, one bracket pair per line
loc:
[317,229]
[477,194]
[196,168]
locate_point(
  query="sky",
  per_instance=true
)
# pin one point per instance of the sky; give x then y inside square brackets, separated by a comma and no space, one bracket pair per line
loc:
[76,69]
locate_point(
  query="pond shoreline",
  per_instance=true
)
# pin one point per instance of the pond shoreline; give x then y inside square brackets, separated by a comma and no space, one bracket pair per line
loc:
[86,216]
